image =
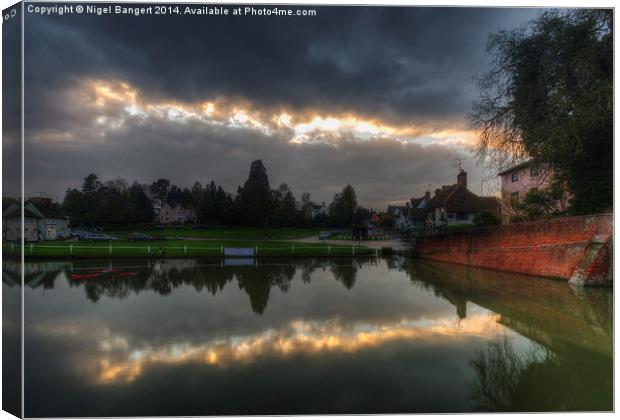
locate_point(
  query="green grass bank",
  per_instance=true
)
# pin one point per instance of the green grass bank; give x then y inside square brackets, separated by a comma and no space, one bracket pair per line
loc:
[180,249]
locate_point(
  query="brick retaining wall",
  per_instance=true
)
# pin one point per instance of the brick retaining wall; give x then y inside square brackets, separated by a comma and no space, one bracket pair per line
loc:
[576,248]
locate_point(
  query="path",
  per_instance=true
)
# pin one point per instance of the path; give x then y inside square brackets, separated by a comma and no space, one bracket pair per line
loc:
[395,244]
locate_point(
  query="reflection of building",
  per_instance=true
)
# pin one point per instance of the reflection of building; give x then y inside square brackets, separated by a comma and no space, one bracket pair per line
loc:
[456,205]
[42,221]
[519,180]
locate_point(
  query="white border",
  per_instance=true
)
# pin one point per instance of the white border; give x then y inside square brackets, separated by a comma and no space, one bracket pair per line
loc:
[480,3]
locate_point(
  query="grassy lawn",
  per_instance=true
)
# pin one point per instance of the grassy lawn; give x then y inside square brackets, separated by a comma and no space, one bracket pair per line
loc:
[221,233]
[180,248]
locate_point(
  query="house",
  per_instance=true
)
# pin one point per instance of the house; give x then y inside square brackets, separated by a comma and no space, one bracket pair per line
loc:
[519,180]
[166,213]
[319,210]
[42,221]
[401,216]
[456,205]
[375,219]
[412,215]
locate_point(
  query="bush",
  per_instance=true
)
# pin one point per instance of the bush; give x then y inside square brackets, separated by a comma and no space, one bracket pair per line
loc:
[456,228]
[486,218]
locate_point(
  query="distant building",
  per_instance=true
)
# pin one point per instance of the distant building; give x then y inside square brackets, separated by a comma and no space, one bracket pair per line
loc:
[401,216]
[42,221]
[318,210]
[165,213]
[519,180]
[456,205]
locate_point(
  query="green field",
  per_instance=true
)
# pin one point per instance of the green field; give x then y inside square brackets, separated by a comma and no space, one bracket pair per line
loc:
[251,234]
[180,249]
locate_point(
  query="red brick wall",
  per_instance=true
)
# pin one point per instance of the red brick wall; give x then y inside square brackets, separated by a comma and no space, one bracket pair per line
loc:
[549,248]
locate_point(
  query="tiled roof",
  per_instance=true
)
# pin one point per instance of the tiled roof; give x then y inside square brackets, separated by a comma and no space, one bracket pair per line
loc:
[415,202]
[16,213]
[47,212]
[516,167]
[457,198]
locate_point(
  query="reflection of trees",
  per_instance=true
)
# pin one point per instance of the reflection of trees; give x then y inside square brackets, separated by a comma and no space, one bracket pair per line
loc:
[164,276]
[538,380]
[257,283]
[345,272]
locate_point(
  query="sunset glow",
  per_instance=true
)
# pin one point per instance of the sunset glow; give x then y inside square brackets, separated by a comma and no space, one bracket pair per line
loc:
[120,363]
[119,97]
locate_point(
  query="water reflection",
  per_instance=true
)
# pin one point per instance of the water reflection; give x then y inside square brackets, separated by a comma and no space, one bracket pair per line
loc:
[307,336]
[126,278]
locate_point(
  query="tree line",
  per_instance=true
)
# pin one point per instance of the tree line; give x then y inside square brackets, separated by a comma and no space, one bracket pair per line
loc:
[255,203]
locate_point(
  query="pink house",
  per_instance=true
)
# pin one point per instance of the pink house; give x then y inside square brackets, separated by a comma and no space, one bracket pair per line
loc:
[518,180]
[177,214]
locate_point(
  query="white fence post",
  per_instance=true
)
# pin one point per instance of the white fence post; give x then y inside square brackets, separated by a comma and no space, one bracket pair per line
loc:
[31,248]
[148,249]
[222,250]
[110,249]
[185,249]
[353,250]
[71,249]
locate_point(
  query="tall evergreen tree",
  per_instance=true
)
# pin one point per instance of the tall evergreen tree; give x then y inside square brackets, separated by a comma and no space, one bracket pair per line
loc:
[255,201]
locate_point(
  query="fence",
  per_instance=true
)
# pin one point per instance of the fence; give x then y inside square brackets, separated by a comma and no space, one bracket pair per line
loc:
[111,250]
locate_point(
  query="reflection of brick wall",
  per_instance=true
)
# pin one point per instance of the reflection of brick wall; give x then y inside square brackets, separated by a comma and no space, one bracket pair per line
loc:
[549,248]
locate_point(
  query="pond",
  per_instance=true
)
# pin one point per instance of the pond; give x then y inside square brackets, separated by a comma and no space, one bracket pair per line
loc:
[307,336]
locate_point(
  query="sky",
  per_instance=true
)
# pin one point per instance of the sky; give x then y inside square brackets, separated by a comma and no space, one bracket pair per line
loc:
[374,97]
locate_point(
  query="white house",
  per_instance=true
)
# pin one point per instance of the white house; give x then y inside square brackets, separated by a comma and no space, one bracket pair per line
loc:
[319,210]
[42,222]
[166,213]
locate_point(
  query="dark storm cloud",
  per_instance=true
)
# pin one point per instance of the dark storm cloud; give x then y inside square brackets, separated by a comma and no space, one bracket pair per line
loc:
[400,64]
[409,66]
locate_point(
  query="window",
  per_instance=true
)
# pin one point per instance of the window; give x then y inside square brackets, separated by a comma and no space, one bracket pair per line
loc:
[534,170]
[515,176]
[450,215]
[514,198]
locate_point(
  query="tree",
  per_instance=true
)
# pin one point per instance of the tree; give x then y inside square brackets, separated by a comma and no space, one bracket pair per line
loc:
[486,218]
[306,205]
[255,201]
[342,208]
[285,207]
[73,206]
[91,184]
[540,203]
[197,195]
[159,190]
[549,96]
[140,208]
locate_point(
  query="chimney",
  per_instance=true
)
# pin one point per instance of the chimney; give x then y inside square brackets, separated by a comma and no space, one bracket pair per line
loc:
[437,191]
[461,178]
[427,196]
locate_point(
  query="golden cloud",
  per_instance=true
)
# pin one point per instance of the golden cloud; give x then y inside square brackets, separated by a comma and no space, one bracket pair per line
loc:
[113,102]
